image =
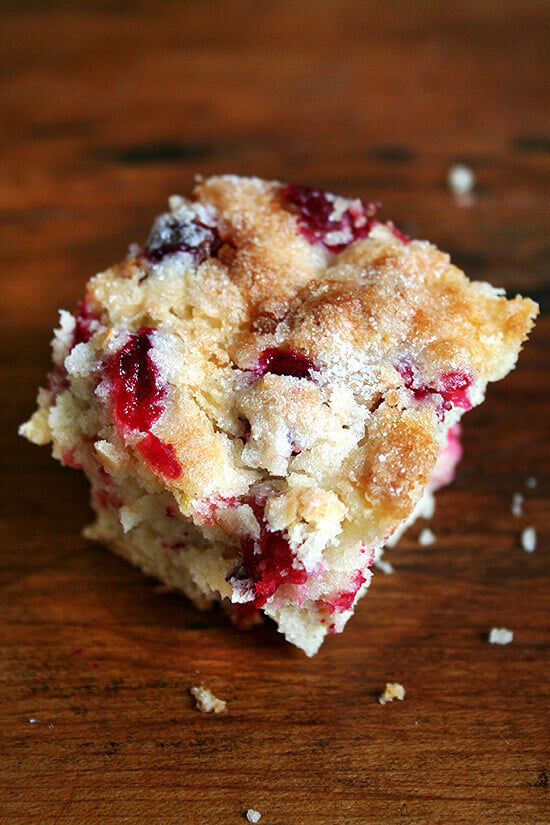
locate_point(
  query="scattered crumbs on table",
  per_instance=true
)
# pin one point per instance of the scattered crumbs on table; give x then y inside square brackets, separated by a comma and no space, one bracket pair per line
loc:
[205,701]
[517,504]
[385,566]
[461,179]
[32,721]
[529,539]
[393,690]
[500,636]
[253,816]
[531,482]
[426,537]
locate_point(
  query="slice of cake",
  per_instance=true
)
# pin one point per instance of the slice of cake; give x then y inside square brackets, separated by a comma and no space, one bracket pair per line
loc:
[268,391]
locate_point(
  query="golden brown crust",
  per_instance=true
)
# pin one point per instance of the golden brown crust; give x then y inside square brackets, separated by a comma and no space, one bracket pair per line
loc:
[397,462]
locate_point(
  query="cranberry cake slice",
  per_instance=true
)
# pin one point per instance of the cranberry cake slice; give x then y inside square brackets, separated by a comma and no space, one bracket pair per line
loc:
[267,392]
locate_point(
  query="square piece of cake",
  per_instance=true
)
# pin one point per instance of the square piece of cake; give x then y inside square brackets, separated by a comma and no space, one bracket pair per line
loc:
[267,392]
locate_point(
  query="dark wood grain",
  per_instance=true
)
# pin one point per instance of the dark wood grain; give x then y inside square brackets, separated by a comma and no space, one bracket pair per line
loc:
[105,110]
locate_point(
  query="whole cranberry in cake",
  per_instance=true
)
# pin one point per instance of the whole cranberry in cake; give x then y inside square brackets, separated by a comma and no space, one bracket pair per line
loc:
[135,388]
[268,392]
[172,234]
[328,219]
[280,362]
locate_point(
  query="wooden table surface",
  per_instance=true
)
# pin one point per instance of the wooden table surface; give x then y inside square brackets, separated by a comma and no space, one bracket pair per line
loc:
[105,110]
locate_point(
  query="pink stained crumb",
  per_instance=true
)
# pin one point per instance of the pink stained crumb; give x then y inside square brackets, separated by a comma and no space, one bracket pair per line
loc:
[86,322]
[205,511]
[452,387]
[321,222]
[344,600]
[104,491]
[68,460]
[160,456]
[106,499]
[371,552]
[57,380]
[281,362]
[445,468]
[137,392]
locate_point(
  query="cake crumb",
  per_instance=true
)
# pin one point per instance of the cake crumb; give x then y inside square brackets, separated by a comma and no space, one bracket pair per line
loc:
[253,816]
[500,636]
[461,179]
[385,566]
[393,690]
[206,702]
[426,537]
[531,482]
[517,504]
[529,539]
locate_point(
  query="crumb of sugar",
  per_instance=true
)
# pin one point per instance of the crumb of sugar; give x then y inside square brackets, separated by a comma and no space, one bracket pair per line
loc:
[426,537]
[529,539]
[385,566]
[253,816]
[517,504]
[500,636]
[461,179]
[206,702]
[393,690]
[531,482]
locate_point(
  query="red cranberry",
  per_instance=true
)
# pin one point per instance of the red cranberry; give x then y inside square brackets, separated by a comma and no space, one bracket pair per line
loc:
[137,393]
[279,362]
[454,388]
[269,563]
[85,323]
[160,456]
[170,235]
[138,400]
[317,219]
